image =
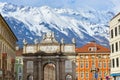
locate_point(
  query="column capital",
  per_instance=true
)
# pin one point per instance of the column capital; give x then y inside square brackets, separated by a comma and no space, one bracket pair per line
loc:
[62,60]
[38,60]
[57,60]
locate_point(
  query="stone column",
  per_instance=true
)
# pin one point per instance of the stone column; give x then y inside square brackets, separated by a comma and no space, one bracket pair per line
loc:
[57,69]
[35,70]
[40,70]
[62,69]
[24,69]
[73,70]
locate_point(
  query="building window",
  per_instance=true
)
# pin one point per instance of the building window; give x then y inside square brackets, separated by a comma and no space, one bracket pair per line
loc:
[115,31]
[81,65]
[99,56]
[82,74]
[112,33]
[20,69]
[104,64]
[119,29]
[92,49]
[116,46]
[87,75]
[109,64]
[19,77]
[117,62]
[113,63]
[100,64]
[100,74]
[119,45]
[112,48]
[86,64]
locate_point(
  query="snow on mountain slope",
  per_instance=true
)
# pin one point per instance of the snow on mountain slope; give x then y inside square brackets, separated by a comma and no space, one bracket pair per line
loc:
[32,22]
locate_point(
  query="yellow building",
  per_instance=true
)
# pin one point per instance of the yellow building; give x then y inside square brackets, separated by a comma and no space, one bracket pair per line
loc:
[92,59]
[7,51]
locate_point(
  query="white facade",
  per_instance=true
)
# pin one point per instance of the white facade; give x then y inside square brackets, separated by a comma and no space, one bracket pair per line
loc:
[115,46]
[49,45]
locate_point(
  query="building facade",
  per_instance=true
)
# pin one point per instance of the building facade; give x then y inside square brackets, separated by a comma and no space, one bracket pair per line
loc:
[115,46]
[49,59]
[92,62]
[7,51]
[19,64]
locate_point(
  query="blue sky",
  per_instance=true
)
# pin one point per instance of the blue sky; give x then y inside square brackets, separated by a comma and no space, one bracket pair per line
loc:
[75,4]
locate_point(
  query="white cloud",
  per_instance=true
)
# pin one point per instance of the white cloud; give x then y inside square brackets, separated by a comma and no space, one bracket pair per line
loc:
[74,4]
[116,4]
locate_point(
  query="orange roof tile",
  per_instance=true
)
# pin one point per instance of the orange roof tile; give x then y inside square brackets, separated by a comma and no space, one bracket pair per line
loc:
[86,48]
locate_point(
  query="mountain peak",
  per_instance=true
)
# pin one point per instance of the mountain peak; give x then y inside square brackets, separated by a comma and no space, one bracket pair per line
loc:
[83,25]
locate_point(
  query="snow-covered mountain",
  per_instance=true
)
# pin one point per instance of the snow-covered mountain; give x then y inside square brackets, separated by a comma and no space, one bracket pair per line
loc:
[83,25]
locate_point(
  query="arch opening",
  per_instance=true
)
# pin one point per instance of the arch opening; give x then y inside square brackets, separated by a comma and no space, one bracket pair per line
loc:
[29,77]
[49,72]
[68,77]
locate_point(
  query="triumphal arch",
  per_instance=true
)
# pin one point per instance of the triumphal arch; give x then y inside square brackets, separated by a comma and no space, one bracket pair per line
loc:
[49,59]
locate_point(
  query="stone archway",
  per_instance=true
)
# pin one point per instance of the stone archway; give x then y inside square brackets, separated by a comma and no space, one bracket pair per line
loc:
[68,77]
[49,56]
[49,71]
[29,77]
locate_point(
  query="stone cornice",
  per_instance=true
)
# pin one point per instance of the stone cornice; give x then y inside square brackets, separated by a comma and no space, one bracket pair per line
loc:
[7,27]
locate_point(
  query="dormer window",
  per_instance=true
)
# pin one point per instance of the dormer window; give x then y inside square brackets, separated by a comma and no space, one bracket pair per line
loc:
[92,49]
